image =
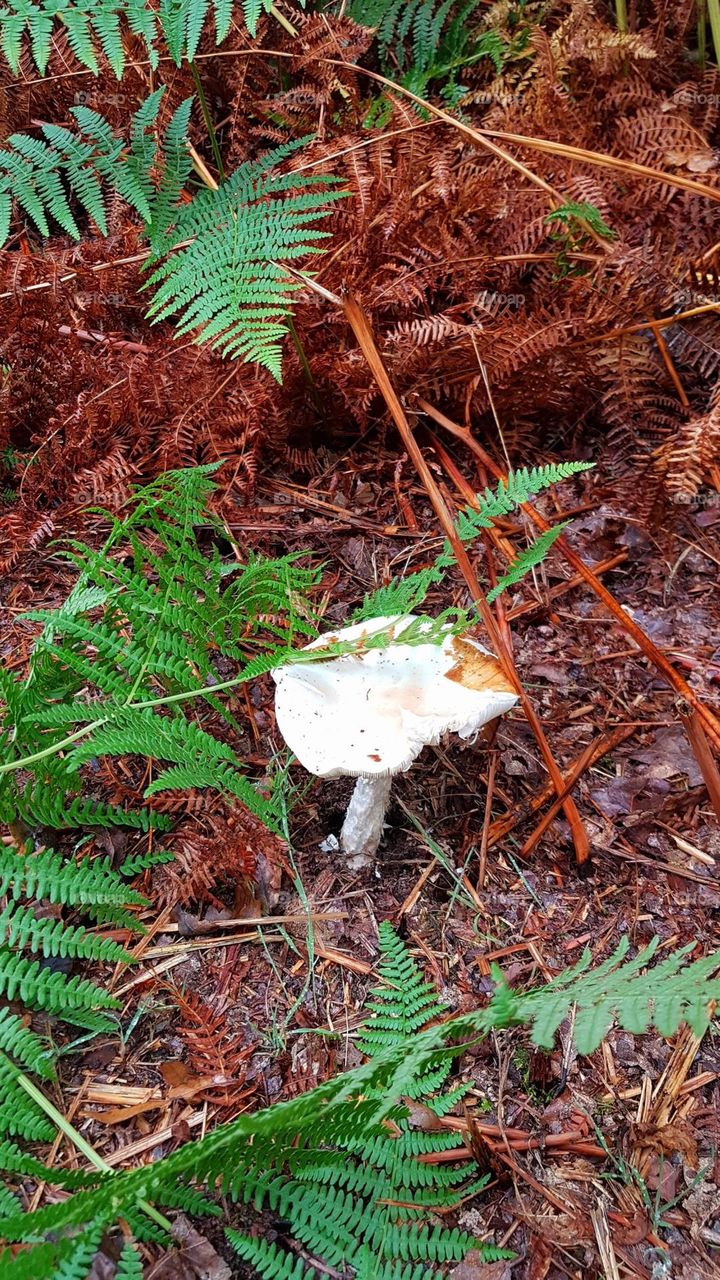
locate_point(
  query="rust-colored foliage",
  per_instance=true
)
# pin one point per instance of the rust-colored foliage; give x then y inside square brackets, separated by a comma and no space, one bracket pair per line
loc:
[226,851]
[469,282]
[213,1050]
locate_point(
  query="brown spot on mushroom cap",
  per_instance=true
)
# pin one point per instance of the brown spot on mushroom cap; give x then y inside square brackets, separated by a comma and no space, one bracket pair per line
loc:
[476,670]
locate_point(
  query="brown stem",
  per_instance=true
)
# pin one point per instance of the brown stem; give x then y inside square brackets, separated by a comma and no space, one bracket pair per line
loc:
[361,328]
[658,659]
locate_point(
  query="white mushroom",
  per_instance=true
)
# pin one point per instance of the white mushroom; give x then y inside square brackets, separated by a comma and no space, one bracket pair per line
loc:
[368,715]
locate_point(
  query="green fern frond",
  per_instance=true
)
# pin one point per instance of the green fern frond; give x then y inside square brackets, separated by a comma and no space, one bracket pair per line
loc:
[252,10]
[260,1159]
[22,1044]
[429,39]
[77,1265]
[406,594]
[216,263]
[133,865]
[130,1266]
[664,996]
[519,487]
[24,1121]
[141,631]
[402,1004]
[400,596]
[20,1115]
[527,560]
[573,214]
[42,803]
[228,284]
[46,874]
[9,1202]
[14,1160]
[395,21]
[38,172]
[21,927]
[95,27]
[270,1260]
[39,988]
[38,1263]
[369,1269]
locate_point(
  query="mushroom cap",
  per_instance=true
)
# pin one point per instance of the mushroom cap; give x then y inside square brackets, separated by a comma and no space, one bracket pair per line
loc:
[371,713]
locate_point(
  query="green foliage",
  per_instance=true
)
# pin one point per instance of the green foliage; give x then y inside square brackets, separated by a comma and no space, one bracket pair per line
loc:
[40,988]
[133,865]
[130,1266]
[92,885]
[327,1161]
[135,642]
[404,594]
[402,1004]
[40,889]
[27,1048]
[42,173]
[363,1200]
[527,560]
[428,40]
[520,486]
[571,216]
[100,27]
[14,1160]
[216,263]
[664,996]
[36,888]
[117,667]
[573,226]
[228,283]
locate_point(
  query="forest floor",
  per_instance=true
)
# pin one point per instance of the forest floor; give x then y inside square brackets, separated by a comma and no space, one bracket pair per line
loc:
[617,1152]
[576,266]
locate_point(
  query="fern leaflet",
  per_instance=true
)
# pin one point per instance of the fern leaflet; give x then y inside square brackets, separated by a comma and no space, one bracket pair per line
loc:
[527,560]
[228,282]
[99,26]
[36,171]
[404,594]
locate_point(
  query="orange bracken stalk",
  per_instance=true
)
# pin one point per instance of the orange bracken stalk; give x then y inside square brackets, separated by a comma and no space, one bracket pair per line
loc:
[709,721]
[360,327]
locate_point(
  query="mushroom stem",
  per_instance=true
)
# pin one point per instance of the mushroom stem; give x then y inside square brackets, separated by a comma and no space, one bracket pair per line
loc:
[363,825]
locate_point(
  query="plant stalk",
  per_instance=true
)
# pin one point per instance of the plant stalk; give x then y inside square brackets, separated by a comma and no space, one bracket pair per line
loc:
[210,127]
[284,23]
[702,33]
[84,1147]
[713,12]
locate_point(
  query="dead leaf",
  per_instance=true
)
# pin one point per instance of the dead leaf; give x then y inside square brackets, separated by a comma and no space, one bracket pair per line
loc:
[668,756]
[196,1259]
[539,1258]
[421,1117]
[667,1140]
[175,1072]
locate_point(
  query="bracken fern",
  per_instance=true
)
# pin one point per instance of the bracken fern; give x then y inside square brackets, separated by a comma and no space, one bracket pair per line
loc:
[428,39]
[228,282]
[134,646]
[406,593]
[327,1162]
[216,262]
[40,172]
[99,26]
